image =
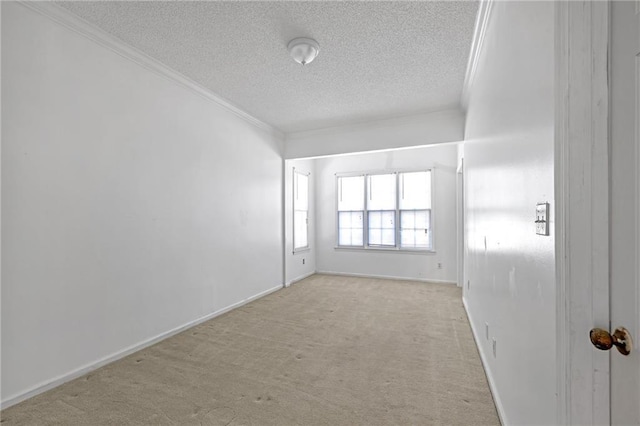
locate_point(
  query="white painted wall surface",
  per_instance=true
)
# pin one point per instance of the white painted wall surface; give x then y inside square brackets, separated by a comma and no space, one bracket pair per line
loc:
[508,158]
[401,132]
[420,266]
[131,205]
[295,270]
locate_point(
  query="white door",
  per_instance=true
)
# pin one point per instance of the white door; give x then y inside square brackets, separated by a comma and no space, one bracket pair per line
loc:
[625,207]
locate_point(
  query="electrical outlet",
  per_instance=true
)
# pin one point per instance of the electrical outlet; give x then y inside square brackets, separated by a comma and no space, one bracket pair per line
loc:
[494,348]
[303,260]
[468,284]
[439,265]
[486,329]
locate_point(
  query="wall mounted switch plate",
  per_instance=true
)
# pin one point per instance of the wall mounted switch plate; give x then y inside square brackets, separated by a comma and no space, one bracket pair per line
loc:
[542,219]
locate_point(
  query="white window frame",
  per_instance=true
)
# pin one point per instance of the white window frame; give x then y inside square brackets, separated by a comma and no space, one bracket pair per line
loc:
[364,209]
[368,194]
[365,226]
[294,197]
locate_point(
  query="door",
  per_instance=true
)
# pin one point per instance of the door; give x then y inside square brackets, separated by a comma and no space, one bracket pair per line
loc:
[625,207]
[597,208]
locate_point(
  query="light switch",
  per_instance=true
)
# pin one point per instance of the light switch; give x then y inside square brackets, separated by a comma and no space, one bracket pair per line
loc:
[542,219]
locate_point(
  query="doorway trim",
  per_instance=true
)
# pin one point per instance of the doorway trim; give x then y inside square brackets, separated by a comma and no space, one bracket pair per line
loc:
[582,209]
[637,137]
[460,220]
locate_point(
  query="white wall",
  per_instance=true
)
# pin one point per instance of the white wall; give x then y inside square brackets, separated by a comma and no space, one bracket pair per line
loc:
[508,157]
[420,266]
[401,132]
[295,269]
[131,204]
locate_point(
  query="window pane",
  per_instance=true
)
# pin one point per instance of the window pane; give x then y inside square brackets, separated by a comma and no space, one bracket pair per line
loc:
[357,220]
[350,220]
[300,229]
[382,228]
[422,219]
[415,229]
[415,239]
[344,220]
[388,237]
[344,237]
[415,190]
[407,220]
[422,239]
[350,237]
[357,238]
[388,220]
[375,220]
[375,237]
[350,232]
[351,193]
[382,192]
[301,208]
[301,192]
[407,238]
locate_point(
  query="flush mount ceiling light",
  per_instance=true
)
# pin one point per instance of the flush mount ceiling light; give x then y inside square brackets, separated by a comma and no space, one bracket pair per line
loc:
[303,50]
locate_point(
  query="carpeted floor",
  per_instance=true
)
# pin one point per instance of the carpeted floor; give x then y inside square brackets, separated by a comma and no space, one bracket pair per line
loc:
[326,351]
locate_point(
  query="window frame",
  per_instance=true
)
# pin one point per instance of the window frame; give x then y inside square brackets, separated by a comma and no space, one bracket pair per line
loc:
[365,231]
[338,193]
[294,210]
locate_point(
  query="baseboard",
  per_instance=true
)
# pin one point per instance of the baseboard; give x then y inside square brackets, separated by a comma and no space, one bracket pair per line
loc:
[299,278]
[385,277]
[483,357]
[38,389]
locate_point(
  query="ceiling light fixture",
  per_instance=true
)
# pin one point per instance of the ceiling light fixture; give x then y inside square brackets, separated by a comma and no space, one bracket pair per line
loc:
[303,50]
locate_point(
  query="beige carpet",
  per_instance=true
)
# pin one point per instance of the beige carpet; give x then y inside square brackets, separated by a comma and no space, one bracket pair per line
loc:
[326,351]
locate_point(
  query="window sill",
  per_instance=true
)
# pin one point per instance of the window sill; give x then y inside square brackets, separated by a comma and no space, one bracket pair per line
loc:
[301,250]
[387,250]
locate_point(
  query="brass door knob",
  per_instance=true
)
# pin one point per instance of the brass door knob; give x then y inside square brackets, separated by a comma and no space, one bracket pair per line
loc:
[621,339]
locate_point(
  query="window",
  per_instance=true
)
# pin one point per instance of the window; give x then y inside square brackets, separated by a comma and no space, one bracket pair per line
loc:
[300,211]
[415,210]
[351,211]
[381,210]
[389,210]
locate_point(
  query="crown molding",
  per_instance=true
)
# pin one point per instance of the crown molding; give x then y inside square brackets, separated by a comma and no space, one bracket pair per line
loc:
[482,20]
[390,120]
[74,23]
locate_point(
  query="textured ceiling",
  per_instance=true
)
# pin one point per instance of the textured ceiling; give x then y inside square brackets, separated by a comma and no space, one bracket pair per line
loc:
[377,59]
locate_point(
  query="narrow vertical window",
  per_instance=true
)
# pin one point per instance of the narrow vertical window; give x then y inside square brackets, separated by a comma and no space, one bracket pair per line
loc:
[300,211]
[351,211]
[415,210]
[381,210]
